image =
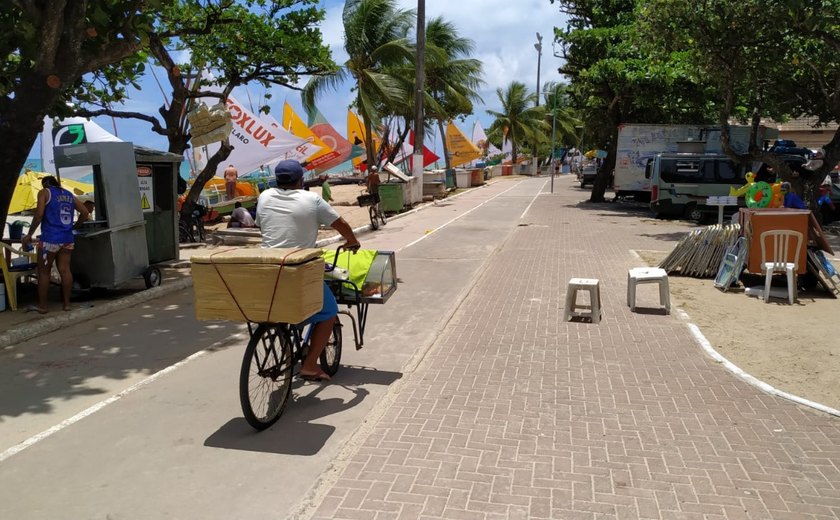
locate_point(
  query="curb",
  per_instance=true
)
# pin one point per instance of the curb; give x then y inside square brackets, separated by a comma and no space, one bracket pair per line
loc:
[749,379]
[37,328]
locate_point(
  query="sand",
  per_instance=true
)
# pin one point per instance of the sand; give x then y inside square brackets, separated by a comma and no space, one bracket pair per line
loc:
[794,348]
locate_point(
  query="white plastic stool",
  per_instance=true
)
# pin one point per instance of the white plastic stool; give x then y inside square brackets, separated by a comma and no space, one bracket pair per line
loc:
[640,275]
[592,285]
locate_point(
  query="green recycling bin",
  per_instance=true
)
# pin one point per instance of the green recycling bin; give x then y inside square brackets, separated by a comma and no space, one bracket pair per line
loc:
[391,197]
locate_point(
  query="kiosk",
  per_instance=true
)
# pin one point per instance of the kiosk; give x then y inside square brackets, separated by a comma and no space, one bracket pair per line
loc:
[129,207]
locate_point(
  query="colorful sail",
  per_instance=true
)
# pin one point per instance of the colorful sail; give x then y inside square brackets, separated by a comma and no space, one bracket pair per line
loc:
[461,150]
[356,135]
[293,123]
[479,138]
[259,141]
[330,137]
[428,156]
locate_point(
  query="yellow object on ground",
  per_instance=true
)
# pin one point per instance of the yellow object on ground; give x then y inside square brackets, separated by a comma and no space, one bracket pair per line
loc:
[28,185]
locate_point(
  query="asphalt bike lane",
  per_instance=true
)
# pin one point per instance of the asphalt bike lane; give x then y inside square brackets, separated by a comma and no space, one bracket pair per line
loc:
[177,445]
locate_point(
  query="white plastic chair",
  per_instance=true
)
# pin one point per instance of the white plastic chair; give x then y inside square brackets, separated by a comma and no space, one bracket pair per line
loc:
[778,263]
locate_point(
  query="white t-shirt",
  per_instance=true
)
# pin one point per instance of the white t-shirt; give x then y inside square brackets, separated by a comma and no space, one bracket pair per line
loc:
[290,218]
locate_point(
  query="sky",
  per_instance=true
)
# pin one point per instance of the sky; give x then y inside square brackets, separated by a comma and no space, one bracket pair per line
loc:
[504,33]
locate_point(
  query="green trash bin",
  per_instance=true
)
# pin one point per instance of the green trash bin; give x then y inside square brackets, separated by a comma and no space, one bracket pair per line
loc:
[391,198]
[450,178]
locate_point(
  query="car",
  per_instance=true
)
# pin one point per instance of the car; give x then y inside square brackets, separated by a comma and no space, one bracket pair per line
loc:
[788,147]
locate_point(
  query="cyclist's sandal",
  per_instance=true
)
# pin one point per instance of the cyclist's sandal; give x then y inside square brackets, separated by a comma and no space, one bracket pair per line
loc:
[318,376]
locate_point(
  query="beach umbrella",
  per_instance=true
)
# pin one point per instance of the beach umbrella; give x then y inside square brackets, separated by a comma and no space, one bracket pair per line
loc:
[28,185]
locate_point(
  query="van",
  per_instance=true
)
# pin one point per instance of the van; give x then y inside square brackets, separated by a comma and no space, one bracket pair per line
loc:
[681,182]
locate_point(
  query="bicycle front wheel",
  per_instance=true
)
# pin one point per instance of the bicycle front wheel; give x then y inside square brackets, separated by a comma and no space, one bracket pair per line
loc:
[265,379]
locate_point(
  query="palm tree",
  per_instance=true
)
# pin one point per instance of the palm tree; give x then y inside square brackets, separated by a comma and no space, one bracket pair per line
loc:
[560,116]
[375,38]
[452,77]
[519,119]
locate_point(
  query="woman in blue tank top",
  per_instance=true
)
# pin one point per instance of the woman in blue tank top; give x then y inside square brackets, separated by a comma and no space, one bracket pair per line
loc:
[55,216]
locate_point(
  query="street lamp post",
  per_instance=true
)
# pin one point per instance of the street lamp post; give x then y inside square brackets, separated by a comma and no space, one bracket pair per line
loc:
[419,89]
[553,133]
[538,47]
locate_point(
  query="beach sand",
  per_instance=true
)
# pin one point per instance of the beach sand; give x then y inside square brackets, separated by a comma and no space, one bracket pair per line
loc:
[791,347]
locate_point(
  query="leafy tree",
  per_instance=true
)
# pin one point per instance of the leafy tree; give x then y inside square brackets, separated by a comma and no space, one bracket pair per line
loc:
[764,60]
[376,41]
[561,116]
[615,81]
[271,42]
[452,77]
[47,49]
[519,119]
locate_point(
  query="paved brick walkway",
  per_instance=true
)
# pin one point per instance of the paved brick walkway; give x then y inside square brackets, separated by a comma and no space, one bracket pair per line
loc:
[515,414]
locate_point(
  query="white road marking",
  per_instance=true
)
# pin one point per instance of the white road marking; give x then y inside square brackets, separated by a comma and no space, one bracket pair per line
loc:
[533,200]
[17,448]
[458,217]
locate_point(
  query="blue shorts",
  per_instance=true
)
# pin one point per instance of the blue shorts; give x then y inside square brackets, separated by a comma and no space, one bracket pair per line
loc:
[328,310]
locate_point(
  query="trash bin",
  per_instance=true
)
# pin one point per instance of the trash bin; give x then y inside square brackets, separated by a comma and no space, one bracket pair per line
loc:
[16,229]
[476,177]
[391,197]
[450,178]
[507,169]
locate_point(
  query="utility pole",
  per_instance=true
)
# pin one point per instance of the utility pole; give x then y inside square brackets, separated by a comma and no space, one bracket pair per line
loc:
[553,136]
[537,46]
[419,89]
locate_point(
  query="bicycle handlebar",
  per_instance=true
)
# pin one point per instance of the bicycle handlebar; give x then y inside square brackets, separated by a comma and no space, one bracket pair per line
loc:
[338,252]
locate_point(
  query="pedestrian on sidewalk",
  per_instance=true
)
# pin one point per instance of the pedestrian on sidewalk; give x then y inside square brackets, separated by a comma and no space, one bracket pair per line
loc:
[54,214]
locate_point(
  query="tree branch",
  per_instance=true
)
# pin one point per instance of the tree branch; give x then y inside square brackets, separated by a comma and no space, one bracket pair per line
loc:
[156,126]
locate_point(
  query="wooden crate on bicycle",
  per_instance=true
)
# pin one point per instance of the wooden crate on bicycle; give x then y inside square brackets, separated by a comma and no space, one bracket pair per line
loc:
[260,285]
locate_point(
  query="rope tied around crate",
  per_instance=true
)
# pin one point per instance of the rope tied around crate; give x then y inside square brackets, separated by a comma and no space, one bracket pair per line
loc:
[273,292]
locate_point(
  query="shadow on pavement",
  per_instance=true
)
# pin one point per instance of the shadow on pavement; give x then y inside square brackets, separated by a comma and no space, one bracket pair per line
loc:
[296,433]
[76,360]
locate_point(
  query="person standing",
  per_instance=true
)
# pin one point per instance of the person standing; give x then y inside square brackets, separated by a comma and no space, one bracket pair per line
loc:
[289,216]
[54,214]
[231,175]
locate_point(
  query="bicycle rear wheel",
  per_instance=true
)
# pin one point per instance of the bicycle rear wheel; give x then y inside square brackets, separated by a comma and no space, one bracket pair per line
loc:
[331,356]
[265,379]
[374,218]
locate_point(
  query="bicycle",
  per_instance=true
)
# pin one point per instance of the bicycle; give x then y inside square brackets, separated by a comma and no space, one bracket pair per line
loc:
[377,217]
[265,376]
[191,229]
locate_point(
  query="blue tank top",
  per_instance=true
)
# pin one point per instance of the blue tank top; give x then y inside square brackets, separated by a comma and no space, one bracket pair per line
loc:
[57,225]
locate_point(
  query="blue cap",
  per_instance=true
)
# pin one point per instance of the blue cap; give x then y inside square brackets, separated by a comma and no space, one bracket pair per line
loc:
[288,172]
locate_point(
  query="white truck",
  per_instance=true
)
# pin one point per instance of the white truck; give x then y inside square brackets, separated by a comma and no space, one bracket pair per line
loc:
[639,143]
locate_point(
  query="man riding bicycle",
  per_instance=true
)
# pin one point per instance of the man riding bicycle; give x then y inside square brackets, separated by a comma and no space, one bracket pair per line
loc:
[289,217]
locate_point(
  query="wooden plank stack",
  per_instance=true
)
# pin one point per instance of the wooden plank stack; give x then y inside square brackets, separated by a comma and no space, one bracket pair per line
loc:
[699,253]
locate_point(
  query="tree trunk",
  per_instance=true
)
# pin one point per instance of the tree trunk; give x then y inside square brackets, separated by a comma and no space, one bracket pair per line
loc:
[447,160]
[206,174]
[23,120]
[602,179]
